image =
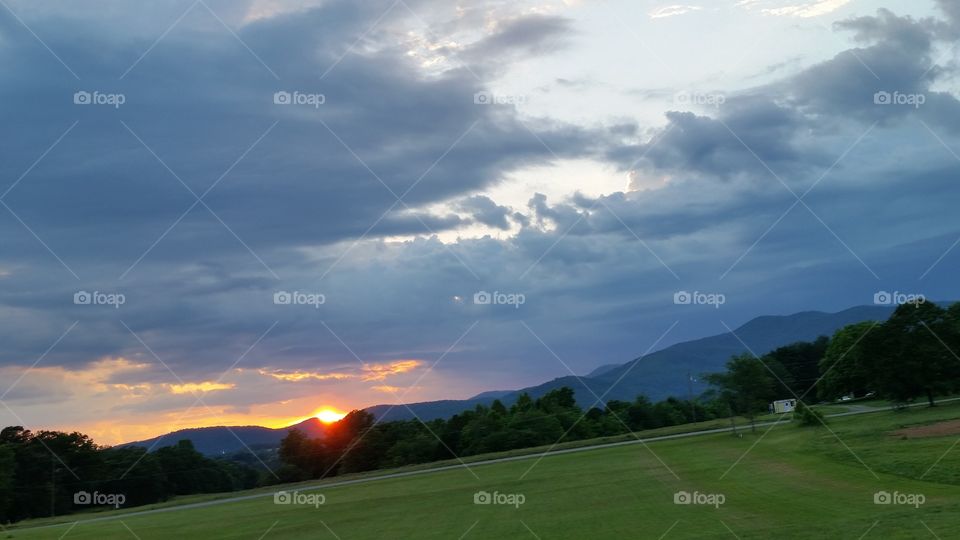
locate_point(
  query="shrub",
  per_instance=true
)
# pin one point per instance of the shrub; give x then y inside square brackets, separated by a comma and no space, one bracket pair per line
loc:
[805,416]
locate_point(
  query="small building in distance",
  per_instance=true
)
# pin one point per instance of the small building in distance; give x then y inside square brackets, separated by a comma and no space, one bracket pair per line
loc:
[783,406]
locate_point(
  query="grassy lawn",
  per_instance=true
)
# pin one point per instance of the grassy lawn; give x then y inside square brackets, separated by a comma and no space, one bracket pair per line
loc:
[536,451]
[794,483]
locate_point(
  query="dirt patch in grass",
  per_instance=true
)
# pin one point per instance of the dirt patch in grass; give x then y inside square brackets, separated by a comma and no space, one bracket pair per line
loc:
[940,429]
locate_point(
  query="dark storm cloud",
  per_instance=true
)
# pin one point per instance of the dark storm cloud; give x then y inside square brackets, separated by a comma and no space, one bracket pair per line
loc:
[300,199]
[101,200]
[725,146]
[952,11]
[485,211]
[899,58]
[771,126]
[320,175]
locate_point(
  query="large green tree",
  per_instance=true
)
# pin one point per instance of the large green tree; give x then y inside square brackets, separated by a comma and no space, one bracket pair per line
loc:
[909,355]
[747,386]
[844,368]
[7,468]
[800,362]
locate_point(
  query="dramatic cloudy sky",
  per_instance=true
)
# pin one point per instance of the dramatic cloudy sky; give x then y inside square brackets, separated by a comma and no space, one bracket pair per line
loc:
[596,157]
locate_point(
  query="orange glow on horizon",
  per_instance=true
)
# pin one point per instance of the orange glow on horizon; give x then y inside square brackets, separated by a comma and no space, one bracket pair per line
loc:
[329,416]
[115,400]
[111,433]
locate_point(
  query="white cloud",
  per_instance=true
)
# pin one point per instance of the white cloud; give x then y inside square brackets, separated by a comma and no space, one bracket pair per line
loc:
[672,11]
[265,9]
[644,182]
[802,10]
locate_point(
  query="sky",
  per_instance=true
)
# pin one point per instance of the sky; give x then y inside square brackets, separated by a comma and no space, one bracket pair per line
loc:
[243,211]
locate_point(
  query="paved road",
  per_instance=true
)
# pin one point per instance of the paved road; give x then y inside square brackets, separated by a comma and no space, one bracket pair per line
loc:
[858,409]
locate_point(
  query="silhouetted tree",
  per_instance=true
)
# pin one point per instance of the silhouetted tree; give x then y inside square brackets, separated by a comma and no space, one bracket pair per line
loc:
[747,386]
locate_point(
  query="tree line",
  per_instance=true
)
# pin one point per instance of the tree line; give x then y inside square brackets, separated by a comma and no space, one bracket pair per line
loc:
[51,473]
[914,354]
[359,443]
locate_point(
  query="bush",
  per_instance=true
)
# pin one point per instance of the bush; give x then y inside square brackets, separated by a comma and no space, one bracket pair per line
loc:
[805,416]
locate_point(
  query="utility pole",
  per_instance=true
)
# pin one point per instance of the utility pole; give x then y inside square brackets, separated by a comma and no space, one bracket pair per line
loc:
[693,408]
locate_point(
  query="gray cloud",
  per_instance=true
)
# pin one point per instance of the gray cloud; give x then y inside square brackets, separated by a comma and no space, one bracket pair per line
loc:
[485,211]
[520,37]
[301,201]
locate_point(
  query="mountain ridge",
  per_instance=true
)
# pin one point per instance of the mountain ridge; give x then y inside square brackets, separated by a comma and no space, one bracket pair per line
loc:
[657,375]
[664,373]
[221,440]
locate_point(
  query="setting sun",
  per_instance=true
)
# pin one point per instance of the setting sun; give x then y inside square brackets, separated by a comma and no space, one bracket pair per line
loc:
[329,416]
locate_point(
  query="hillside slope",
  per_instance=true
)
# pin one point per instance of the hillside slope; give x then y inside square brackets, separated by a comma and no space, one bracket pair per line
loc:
[664,373]
[220,440]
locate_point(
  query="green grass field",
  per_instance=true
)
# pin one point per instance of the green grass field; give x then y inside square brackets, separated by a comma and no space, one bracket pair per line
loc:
[792,483]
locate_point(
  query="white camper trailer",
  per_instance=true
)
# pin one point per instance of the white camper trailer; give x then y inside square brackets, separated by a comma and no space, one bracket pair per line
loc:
[783,406]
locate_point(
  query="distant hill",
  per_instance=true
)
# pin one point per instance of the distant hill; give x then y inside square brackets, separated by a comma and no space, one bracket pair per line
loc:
[221,440]
[664,373]
[603,369]
[493,394]
[429,410]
